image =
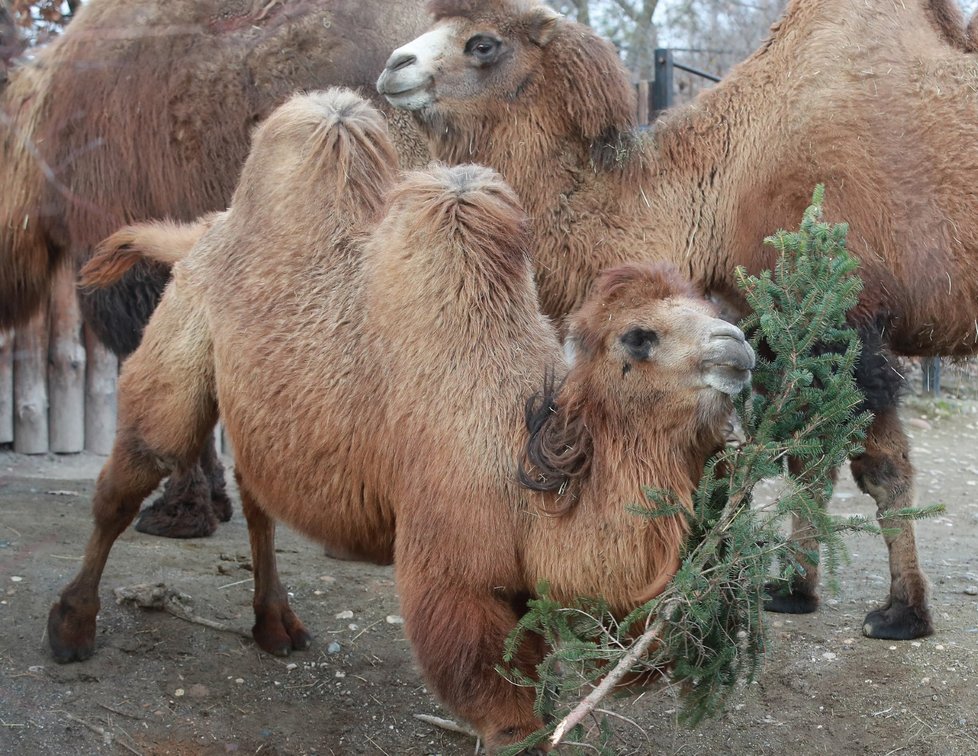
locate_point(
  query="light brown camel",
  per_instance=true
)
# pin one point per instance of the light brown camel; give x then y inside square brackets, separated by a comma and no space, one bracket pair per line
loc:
[144,110]
[396,360]
[875,100]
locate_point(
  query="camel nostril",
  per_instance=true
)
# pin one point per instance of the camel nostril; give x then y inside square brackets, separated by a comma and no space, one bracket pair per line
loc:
[401,60]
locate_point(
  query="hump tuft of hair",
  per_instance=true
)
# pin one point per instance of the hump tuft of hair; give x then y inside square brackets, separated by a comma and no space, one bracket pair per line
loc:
[470,206]
[339,141]
[476,9]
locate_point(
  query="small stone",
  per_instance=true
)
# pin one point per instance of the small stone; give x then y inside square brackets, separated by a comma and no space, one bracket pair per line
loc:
[919,422]
[16,579]
[345,615]
[36,668]
[333,648]
[291,666]
[893,648]
[179,692]
[829,655]
[971,590]
[393,619]
[239,680]
[353,626]
[939,647]
[340,674]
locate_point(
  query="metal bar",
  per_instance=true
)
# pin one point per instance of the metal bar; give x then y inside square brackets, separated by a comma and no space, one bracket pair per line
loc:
[662,88]
[696,71]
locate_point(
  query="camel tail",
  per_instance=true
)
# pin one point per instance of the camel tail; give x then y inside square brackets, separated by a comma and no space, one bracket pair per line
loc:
[162,241]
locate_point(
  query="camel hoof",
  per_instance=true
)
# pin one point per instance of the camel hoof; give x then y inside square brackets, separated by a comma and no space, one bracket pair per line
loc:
[183,518]
[280,632]
[898,621]
[221,505]
[789,601]
[71,634]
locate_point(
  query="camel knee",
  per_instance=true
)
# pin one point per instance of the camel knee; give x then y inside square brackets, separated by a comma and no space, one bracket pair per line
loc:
[887,478]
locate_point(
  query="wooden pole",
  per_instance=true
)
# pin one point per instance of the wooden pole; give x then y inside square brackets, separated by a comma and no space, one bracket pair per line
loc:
[31,387]
[66,367]
[6,387]
[101,378]
[643,103]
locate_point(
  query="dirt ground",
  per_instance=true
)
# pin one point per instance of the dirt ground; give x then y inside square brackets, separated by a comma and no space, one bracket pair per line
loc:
[161,685]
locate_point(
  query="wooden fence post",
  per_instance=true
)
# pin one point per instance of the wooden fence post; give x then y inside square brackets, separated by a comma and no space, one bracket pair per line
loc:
[31,387]
[66,368]
[101,378]
[6,387]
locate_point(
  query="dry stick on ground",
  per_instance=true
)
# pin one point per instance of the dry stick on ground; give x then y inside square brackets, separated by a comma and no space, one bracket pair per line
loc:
[108,736]
[446,724]
[160,596]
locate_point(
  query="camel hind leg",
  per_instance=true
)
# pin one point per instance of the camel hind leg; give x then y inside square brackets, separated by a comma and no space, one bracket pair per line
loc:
[167,409]
[194,498]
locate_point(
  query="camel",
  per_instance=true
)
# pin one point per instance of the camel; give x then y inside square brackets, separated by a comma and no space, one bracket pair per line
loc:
[400,343]
[875,100]
[144,110]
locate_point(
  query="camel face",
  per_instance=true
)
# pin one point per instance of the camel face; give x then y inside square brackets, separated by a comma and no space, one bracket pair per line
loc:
[659,345]
[466,62]
[680,348]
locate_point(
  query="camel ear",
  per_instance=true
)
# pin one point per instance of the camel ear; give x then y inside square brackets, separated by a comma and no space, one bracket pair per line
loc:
[543,24]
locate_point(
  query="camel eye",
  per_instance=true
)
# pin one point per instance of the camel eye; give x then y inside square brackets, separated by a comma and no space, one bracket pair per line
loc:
[639,342]
[483,48]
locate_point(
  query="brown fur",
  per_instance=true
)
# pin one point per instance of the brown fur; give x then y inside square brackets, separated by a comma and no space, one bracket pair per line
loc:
[144,110]
[394,360]
[878,105]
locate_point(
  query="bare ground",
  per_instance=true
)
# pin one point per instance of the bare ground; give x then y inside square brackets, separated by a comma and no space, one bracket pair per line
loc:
[161,685]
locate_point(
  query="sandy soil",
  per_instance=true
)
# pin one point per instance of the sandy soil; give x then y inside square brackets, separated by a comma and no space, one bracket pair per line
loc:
[161,685]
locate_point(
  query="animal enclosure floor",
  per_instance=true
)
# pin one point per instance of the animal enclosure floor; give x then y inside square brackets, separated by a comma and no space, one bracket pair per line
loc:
[160,685]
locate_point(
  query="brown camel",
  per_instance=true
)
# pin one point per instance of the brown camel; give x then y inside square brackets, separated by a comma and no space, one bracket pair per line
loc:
[144,110]
[875,100]
[397,354]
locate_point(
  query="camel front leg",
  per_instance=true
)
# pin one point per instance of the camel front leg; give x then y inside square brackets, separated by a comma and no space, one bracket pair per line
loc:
[277,629]
[458,633]
[885,473]
[801,596]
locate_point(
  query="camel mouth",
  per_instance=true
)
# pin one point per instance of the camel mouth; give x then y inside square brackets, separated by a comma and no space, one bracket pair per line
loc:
[728,379]
[404,95]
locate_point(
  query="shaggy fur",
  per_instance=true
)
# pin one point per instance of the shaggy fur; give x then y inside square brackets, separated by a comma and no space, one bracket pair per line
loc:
[395,358]
[144,110]
[879,105]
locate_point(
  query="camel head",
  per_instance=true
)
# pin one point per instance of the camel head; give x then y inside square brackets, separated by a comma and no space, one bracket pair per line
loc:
[513,62]
[648,340]
[648,359]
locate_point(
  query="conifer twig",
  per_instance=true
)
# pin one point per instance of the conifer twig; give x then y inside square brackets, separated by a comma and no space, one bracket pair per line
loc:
[610,680]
